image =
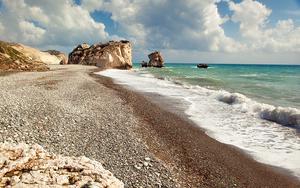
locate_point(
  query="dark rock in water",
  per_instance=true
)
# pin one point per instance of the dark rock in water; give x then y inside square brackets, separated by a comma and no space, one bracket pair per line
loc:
[114,54]
[144,64]
[204,66]
[155,60]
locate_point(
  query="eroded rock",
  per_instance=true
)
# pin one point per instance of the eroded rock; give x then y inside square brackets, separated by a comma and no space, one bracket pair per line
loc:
[156,59]
[14,57]
[60,55]
[114,54]
[25,165]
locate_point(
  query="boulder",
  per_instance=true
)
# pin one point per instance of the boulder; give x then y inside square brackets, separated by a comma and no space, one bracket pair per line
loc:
[23,165]
[114,54]
[155,59]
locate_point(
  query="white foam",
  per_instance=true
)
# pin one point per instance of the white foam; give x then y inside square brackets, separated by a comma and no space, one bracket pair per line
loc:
[230,118]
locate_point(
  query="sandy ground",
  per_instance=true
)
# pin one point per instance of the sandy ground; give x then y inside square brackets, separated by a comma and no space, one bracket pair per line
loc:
[70,111]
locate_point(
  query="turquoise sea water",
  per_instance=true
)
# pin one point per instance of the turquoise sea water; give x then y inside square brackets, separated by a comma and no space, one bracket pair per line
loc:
[278,85]
[253,107]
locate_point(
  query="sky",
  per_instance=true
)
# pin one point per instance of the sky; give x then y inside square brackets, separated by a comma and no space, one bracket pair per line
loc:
[185,31]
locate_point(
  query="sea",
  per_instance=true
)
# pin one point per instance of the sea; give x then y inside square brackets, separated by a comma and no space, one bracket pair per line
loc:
[253,107]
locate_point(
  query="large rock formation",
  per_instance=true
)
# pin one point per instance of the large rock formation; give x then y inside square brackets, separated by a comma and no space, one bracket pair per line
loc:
[24,166]
[12,59]
[155,60]
[61,56]
[114,54]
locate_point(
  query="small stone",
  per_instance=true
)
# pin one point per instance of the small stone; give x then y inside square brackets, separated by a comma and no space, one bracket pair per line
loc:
[137,167]
[62,180]
[147,159]
[145,164]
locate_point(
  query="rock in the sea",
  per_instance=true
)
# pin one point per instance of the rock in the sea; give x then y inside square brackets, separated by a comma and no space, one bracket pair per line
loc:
[60,55]
[202,66]
[114,54]
[155,59]
[25,165]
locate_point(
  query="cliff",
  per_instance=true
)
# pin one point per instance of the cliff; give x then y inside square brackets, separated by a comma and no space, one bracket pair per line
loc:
[25,165]
[114,54]
[35,54]
[61,56]
[12,59]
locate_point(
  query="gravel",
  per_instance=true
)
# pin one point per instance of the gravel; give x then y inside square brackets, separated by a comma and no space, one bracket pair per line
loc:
[67,112]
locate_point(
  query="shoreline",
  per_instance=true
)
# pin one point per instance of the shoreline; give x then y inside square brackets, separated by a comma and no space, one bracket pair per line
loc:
[219,164]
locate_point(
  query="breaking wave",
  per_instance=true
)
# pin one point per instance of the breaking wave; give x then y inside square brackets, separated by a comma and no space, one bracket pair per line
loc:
[282,115]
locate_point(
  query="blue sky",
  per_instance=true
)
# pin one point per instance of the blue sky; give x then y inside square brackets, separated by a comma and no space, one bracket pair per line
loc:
[220,31]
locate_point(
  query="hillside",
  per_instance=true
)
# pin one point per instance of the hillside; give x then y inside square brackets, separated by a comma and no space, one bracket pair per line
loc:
[19,57]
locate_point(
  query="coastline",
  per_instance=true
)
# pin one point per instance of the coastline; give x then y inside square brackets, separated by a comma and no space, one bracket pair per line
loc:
[197,159]
[71,111]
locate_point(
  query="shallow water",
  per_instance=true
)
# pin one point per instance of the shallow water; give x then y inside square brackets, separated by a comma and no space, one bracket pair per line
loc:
[267,132]
[278,85]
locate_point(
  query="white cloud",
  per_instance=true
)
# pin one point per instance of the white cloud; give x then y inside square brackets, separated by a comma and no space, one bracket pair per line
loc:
[29,32]
[172,24]
[253,17]
[192,25]
[46,23]
[1,28]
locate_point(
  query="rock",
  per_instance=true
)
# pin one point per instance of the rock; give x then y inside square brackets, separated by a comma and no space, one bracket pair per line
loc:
[114,54]
[145,163]
[60,55]
[147,159]
[31,166]
[202,66]
[35,54]
[155,59]
[14,58]
[144,64]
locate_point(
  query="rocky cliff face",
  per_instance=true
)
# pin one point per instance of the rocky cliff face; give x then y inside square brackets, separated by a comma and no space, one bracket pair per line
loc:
[114,54]
[24,166]
[61,56]
[12,59]
[35,54]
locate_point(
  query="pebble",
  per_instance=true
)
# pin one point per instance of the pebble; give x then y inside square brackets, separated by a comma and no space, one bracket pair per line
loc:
[79,116]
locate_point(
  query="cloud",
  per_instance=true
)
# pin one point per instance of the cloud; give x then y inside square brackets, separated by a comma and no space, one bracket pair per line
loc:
[172,24]
[253,18]
[150,24]
[251,15]
[46,23]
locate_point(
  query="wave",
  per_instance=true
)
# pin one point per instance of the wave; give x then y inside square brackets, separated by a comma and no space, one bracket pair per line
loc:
[284,116]
[252,75]
[231,118]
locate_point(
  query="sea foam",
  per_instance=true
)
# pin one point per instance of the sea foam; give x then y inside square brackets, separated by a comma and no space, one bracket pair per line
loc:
[231,118]
[283,115]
